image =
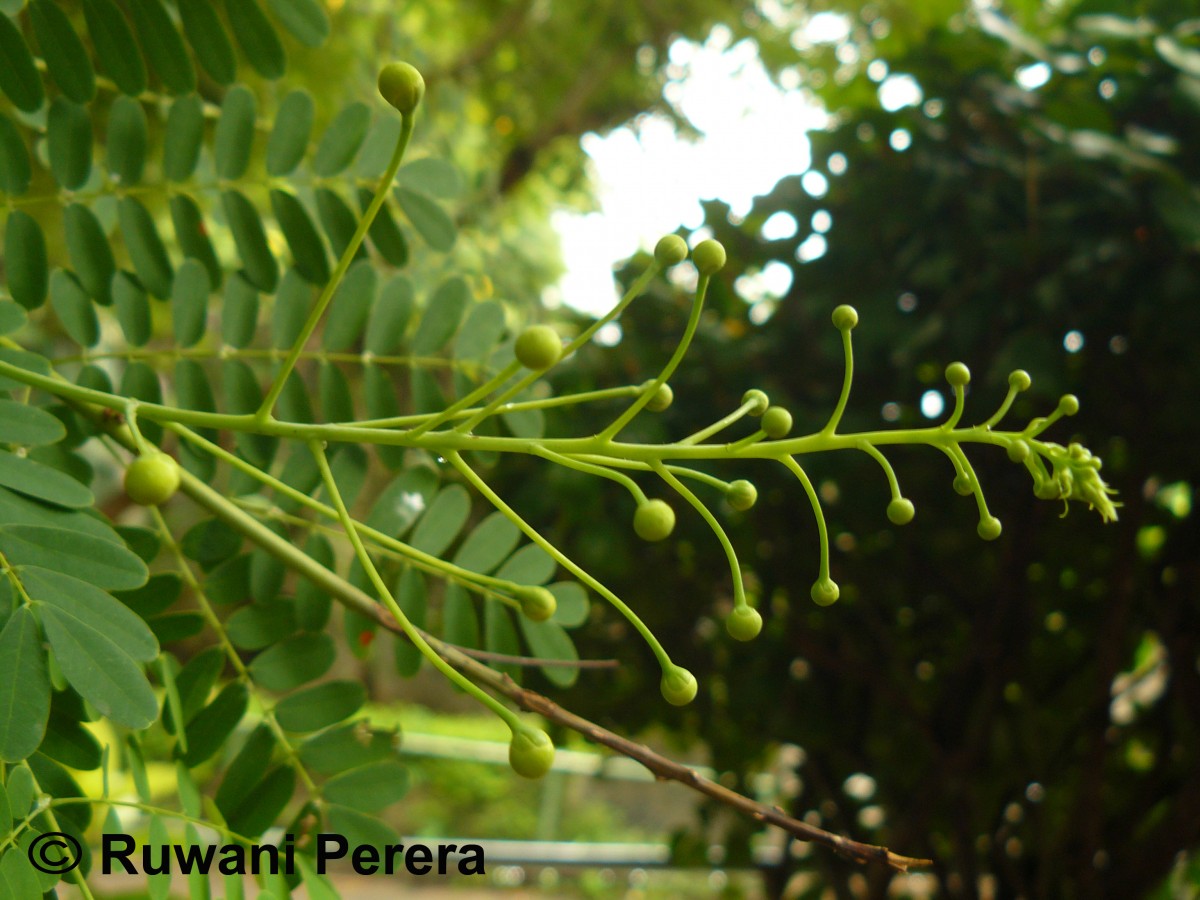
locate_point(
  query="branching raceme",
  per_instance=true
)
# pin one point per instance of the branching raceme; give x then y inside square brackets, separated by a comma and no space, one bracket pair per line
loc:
[1058,472]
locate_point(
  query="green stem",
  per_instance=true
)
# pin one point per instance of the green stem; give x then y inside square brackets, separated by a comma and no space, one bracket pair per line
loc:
[314,317]
[822,531]
[545,403]
[561,558]
[735,569]
[888,471]
[1004,407]
[385,595]
[960,404]
[847,379]
[668,370]
[454,409]
[592,469]
[715,427]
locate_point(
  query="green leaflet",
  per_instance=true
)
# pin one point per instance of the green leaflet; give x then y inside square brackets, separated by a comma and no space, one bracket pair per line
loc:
[206,34]
[431,176]
[548,640]
[320,706]
[140,380]
[488,544]
[378,147]
[18,510]
[443,315]
[369,788]
[342,140]
[309,255]
[379,396]
[263,803]
[25,259]
[460,623]
[403,501]
[246,770]
[443,520]
[19,77]
[24,690]
[34,479]
[209,728]
[156,596]
[427,216]
[12,317]
[125,152]
[69,63]
[346,747]
[333,392]
[259,624]
[289,135]
[257,38]
[183,137]
[146,247]
[339,222]
[163,46]
[360,828]
[351,304]
[305,19]
[261,269]
[194,682]
[15,171]
[74,308]
[293,661]
[95,641]
[67,741]
[244,395]
[385,234]
[290,309]
[116,48]
[193,390]
[192,235]
[90,253]
[18,877]
[69,143]
[239,312]
[500,635]
[413,597]
[94,560]
[158,885]
[189,303]
[573,606]
[480,333]
[28,425]
[530,565]
[133,308]
[312,604]
[234,137]
[20,358]
[390,316]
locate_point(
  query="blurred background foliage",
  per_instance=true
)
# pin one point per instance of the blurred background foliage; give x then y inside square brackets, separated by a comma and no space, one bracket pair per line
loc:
[1024,712]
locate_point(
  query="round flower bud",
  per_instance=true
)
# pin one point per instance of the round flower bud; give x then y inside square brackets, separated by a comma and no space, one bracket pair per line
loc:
[825,592]
[538,347]
[530,752]
[537,603]
[670,250]
[678,686]
[901,511]
[759,399]
[662,398]
[989,528]
[709,257]
[402,86]
[845,317]
[962,485]
[743,623]
[777,422]
[654,520]
[1068,404]
[1019,450]
[1046,489]
[152,479]
[742,494]
[958,374]
[1020,380]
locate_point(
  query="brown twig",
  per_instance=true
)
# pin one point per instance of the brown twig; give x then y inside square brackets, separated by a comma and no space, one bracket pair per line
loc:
[532,662]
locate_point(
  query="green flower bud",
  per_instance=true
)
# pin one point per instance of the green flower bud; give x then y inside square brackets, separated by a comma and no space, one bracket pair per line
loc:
[538,347]
[743,623]
[962,485]
[530,752]
[1019,450]
[958,374]
[845,317]
[654,520]
[901,511]
[402,86]
[989,529]
[678,686]
[670,250]
[759,399]
[742,494]
[537,603]
[1020,380]
[709,257]
[825,592]
[777,422]
[152,479]
[663,398]
[1068,404]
